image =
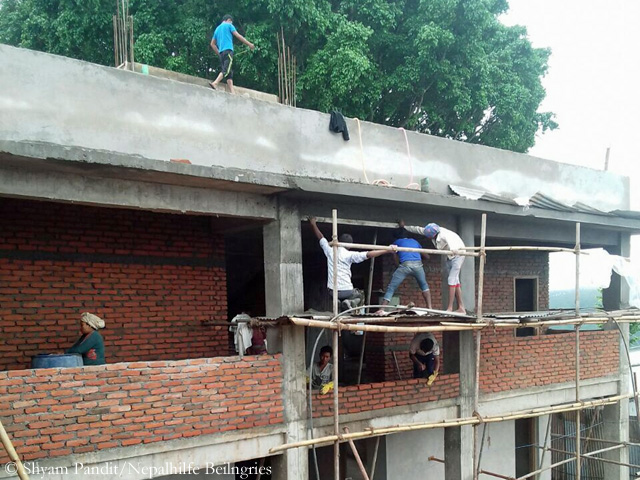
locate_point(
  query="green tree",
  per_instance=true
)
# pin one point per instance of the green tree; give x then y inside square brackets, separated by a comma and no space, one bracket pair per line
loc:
[443,67]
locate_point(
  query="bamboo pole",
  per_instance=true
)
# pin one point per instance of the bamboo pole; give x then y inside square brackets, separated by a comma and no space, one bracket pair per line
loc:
[375,458]
[133,60]
[441,327]
[379,328]
[578,419]
[363,471]
[336,356]
[368,302]
[115,41]
[458,422]
[485,472]
[430,251]
[476,388]
[279,69]
[11,451]
[284,63]
[546,441]
[526,248]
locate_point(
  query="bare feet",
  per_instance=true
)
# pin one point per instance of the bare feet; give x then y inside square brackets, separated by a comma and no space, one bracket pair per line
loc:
[461,310]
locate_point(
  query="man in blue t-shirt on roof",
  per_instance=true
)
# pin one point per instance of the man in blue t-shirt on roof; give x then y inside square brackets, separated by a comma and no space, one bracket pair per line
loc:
[222,44]
[410,264]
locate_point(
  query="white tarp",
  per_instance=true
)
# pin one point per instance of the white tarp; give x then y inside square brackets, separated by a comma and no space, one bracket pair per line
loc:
[596,267]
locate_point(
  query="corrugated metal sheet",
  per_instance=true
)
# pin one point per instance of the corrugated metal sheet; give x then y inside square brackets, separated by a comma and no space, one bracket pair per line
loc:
[539,200]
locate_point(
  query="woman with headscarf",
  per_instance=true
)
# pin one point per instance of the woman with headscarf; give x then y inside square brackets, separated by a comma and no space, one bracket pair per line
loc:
[90,344]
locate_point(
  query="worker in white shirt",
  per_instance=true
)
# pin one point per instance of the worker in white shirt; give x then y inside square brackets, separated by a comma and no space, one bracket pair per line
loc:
[348,297]
[445,239]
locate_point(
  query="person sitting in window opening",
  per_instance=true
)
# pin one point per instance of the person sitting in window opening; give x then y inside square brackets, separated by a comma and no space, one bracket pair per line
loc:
[347,295]
[408,264]
[322,371]
[424,352]
[90,344]
[445,239]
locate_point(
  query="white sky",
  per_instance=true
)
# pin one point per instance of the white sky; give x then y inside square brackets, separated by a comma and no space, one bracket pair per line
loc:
[593,82]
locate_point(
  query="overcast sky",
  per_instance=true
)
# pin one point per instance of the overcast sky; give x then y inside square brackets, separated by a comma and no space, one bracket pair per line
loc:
[593,82]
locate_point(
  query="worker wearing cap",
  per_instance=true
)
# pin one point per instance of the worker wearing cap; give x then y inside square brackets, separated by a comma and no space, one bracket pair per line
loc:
[445,239]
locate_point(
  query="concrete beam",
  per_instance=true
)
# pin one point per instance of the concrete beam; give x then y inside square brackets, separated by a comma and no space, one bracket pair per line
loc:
[122,193]
[142,461]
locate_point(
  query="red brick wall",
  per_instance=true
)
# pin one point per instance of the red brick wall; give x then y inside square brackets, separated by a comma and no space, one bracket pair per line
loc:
[154,278]
[508,362]
[500,270]
[376,396]
[57,412]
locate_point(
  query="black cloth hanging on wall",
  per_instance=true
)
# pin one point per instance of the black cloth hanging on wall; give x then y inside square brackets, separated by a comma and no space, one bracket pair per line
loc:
[338,125]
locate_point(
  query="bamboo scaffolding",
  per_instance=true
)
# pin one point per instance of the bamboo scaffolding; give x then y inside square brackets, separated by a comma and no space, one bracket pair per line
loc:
[578,419]
[526,248]
[363,471]
[11,451]
[430,251]
[476,387]
[458,422]
[336,405]
[375,458]
[337,324]
[546,442]
[443,326]
[568,460]
[484,472]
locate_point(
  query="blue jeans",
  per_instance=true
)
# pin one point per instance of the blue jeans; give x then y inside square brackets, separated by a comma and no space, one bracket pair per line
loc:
[429,361]
[413,268]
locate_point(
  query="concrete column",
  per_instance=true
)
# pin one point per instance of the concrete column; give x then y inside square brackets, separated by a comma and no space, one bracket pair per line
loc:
[616,417]
[284,295]
[458,441]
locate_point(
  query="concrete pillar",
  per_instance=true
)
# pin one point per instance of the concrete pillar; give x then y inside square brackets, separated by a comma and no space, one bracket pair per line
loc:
[616,417]
[284,295]
[458,441]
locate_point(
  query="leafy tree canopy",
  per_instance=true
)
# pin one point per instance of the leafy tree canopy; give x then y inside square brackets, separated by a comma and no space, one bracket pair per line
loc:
[444,67]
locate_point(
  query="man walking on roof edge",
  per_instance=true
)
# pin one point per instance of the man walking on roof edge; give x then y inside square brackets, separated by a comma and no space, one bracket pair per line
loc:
[445,239]
[222,44]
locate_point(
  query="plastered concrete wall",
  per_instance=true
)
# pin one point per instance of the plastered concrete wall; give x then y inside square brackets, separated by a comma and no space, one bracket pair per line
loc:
[408,455]
[119,111]
[498,453]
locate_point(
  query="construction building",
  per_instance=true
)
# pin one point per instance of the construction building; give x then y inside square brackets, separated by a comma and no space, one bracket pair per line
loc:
[168,208]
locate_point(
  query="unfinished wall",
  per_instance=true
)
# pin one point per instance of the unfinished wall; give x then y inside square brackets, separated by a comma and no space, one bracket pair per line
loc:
[501,269]
[509,362]
[376,396]
[58,412]
[388,353]
[154,278]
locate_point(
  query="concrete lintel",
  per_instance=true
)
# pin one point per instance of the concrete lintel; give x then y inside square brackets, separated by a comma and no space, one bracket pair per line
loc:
[135,462]
[122,193]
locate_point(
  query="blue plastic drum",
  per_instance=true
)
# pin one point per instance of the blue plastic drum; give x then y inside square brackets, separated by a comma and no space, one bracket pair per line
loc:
[46,360]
